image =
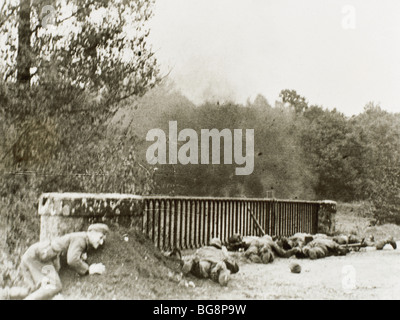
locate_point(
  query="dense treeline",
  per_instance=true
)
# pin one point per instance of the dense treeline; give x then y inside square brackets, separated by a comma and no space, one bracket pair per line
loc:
[301,151]
[279,162]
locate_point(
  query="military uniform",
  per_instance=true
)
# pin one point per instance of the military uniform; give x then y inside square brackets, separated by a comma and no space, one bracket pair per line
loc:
[366,242]
[211,262]
[320,248]
[264,250]
[236,243]
[41,262]
[347,239]
[298,240]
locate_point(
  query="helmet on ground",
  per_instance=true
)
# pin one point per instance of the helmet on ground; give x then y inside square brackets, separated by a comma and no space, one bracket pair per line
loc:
[216,242]
[295,267]
[267,257]
[254,258]
[235,238]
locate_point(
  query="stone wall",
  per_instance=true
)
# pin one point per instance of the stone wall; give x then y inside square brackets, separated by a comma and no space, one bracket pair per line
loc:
[61,213]
[326,218]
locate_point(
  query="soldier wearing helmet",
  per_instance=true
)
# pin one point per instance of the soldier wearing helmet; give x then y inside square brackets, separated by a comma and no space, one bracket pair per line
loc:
[41,262]
[264,250]
[213,262]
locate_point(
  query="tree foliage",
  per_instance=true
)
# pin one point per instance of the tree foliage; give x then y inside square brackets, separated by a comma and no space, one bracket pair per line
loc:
[279,162]
[56,131]
[376,134]
[297,102]
[94,45]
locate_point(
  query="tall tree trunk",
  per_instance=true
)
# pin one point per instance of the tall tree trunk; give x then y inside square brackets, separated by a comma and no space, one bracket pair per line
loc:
[24,44]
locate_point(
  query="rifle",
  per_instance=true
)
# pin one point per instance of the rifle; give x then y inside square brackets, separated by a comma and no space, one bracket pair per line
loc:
[355,246]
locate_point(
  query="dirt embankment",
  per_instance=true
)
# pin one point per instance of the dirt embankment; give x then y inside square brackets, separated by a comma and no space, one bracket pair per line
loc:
[135,269]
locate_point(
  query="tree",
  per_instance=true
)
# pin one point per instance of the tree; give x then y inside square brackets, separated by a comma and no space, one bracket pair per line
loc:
[75,72]
[24,45]
[79,68]
[324,136]
[377,135]
[294,100]
[260,102]
[107,56]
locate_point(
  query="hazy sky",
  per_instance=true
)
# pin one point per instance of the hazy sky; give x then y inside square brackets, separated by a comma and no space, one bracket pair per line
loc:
[336,53]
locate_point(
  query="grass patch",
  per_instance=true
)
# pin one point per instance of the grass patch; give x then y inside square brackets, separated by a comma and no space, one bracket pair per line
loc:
[357,218]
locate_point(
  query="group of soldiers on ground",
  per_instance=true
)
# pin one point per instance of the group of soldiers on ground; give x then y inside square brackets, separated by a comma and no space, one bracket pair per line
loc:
[41,262]
[215,262]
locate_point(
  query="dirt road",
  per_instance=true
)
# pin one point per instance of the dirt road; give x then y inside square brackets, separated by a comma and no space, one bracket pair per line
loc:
[368,274]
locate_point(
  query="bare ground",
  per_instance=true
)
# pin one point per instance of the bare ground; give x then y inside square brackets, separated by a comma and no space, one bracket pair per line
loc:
[367,274]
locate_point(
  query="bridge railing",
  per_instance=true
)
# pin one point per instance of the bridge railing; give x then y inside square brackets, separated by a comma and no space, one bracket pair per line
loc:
[184,222]
[190,222]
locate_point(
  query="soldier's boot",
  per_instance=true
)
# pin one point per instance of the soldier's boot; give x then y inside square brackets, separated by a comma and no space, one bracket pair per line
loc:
[391,241]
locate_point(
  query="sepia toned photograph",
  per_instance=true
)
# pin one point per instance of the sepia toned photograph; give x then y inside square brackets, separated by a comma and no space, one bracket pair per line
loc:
[217,152]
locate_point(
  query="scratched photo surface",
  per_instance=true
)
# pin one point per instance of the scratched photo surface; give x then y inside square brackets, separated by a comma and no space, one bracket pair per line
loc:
[208,150]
